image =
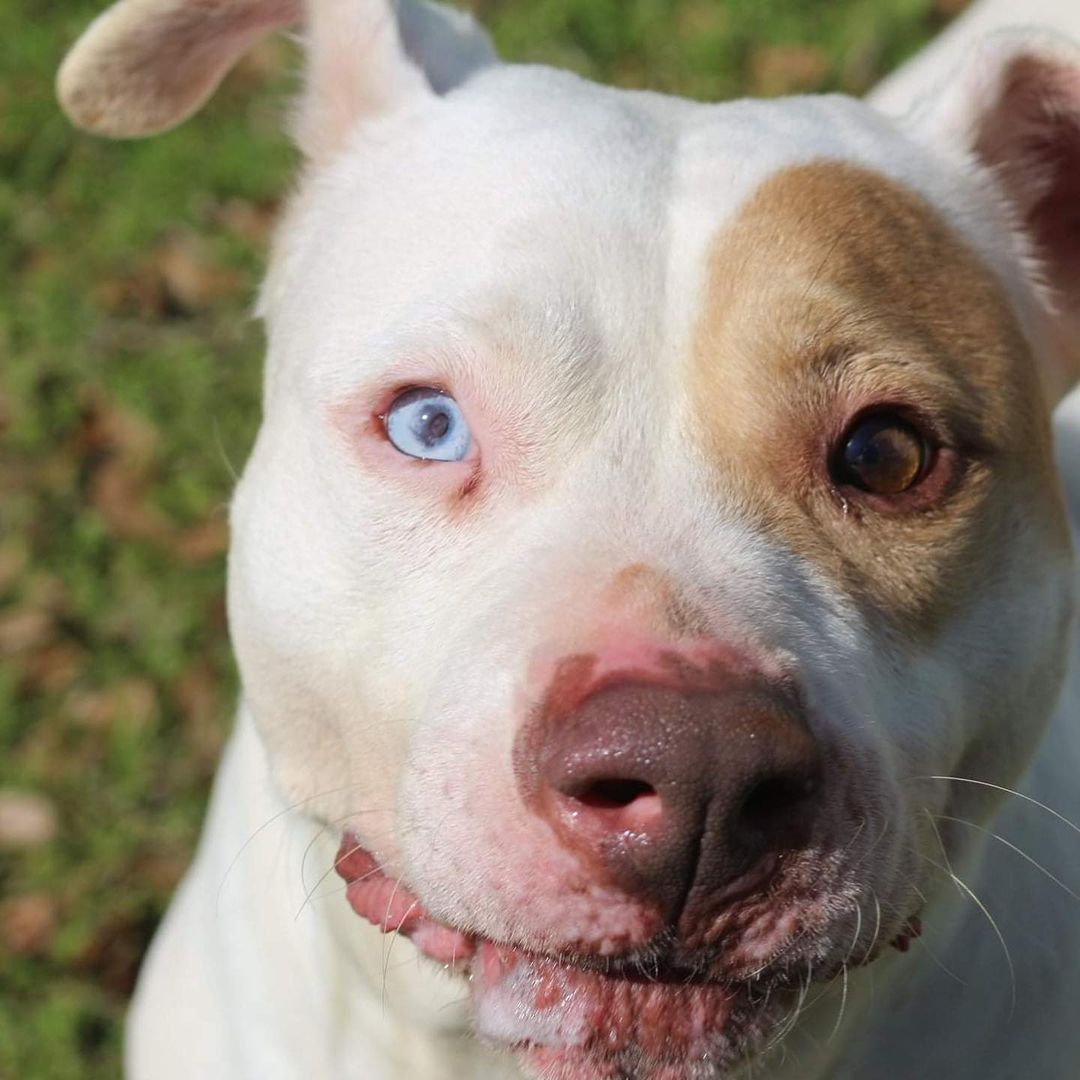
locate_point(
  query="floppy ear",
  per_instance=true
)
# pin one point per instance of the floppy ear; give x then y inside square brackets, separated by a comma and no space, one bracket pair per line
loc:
[146,65]
[1015,108]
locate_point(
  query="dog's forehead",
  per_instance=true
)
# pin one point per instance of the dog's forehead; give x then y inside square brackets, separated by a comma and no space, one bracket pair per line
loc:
[710,293]
[532,188]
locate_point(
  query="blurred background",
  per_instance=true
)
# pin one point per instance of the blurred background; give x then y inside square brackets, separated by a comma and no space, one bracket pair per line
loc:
[129,390]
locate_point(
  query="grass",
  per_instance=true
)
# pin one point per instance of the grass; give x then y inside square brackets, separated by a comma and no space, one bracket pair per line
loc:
[129,388]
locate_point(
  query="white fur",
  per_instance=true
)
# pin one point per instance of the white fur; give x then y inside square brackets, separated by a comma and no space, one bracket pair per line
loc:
[555,283]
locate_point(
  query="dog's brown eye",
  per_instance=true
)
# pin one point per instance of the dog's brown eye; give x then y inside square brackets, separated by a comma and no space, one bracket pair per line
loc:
[881,454]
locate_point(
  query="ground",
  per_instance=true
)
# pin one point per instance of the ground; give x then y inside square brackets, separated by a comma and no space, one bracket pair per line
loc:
[129,391]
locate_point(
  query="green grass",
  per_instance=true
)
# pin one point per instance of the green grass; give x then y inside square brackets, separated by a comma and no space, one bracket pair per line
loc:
[129,388]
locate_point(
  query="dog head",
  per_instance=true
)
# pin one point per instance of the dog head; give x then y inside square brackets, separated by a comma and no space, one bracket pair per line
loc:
[654,505]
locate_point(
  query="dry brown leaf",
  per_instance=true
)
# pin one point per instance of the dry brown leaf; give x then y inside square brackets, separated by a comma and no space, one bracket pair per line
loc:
[192,280]
[118,492]
[6,409]
[55,667]
[113,954]
[28,923]
[703,17]
[107,428]
[198,695]
[787,69]
[133,701]
[24,629]
[141,295]
[27,820]
[161,871]
[118,450]
[253,221]
[204,541]
[13,560]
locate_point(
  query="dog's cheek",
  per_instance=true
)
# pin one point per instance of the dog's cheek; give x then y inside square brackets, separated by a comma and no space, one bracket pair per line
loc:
[974,701]
[999,669]
[330,719]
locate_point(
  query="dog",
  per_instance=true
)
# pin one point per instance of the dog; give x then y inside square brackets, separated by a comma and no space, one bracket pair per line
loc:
[653,586]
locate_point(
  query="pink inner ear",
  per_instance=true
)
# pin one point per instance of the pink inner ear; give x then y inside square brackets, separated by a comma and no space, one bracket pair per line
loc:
[1031,138]
[1055,218]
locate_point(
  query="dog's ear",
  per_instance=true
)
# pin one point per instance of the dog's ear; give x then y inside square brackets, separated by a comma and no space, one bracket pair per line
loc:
[145,65]
[1015,108]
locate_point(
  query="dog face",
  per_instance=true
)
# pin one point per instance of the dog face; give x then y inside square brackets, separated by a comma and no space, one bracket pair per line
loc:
[652,499]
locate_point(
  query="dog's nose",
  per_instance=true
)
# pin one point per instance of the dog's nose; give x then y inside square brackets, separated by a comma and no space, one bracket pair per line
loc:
[675,791]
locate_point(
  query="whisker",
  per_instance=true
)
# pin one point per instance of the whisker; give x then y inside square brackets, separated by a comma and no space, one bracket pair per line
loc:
[938,963]
[309,896]
[333,892]
[855,937]
[315,839]
[1012,847]
[270,821]
[877,922]
[981,906]
[789,1024]
[386,919]
[222,452]
[1007,791]
[339,857]
[843,1003]
[393,937]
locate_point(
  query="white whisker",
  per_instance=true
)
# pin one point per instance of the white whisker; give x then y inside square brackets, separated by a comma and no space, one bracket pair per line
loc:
[1012,847]
[386,919]
[1007,791]
[877,923]
[393,937]
[964,888]
[270,821]
[843,1004]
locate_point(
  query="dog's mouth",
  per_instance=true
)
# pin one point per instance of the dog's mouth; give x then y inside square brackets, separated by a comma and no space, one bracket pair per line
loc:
[586,1018]
[568,1016]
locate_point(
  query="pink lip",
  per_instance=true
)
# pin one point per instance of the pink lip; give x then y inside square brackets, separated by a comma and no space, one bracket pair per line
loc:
[570,1021]
[390,906]
[564,1018]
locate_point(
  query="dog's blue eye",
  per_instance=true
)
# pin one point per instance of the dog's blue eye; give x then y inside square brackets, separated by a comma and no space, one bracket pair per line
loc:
[427,423]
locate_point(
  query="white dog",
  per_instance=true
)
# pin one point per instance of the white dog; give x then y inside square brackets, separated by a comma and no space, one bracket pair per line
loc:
[650,577]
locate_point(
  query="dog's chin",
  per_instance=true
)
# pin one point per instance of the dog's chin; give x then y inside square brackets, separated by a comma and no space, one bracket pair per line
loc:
[581,1018]
[571,1023]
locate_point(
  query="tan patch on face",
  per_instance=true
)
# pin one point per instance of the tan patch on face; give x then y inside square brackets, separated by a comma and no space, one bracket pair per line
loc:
[836,290]
[646,596]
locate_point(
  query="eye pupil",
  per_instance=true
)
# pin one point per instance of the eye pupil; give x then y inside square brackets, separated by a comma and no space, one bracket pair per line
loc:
[433,425]
[883,455]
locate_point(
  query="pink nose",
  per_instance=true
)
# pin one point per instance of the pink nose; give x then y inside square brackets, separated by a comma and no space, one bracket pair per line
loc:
[680,795]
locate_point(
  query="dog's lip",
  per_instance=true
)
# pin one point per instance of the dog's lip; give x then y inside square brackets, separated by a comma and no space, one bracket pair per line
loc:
[561,1011]
[392,907]
[570,1005]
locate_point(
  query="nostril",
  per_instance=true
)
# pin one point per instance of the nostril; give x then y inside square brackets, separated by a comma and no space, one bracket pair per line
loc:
[613,794]
[614,805]
[777,802]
